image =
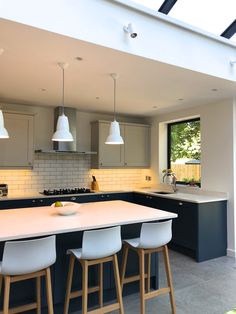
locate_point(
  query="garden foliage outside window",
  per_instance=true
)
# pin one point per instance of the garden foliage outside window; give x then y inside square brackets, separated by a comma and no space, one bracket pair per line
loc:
[184,151]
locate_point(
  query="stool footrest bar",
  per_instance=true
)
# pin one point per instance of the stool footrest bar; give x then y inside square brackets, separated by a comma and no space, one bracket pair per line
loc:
[155,293]
[78,293]
[22,308]
[105,309]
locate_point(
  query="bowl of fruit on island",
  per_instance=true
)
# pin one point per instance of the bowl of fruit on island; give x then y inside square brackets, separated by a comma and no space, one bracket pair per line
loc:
[66,208]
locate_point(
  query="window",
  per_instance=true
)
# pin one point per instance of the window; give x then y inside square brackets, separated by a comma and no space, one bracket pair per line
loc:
[184,151]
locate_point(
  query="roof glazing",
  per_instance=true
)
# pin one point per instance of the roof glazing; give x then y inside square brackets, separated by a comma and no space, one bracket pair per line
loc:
[213,16]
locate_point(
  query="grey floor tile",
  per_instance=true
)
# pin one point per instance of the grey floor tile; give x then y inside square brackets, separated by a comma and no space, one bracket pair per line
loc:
[200,288]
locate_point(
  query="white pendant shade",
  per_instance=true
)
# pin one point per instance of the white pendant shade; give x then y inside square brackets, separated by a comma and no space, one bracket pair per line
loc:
[62,133]
[114,134]
[3,131]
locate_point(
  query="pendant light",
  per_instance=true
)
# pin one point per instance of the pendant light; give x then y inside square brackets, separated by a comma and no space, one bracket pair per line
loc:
[62,133]
[3,131]
[114,133]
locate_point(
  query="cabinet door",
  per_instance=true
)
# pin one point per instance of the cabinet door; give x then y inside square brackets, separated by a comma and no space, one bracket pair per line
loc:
[17,151]
[109,155]
[184,227]
[137,146]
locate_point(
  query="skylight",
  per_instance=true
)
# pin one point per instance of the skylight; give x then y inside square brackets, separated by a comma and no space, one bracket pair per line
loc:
[210,15]
[213,16]
[151,4]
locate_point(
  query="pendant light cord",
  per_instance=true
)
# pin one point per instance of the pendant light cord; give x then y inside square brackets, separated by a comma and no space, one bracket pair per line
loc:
[114,99]
[63,91]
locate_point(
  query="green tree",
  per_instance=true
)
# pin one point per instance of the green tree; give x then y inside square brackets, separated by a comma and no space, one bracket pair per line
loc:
[186,140]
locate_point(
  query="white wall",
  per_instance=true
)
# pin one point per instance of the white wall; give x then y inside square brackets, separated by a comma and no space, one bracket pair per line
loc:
[218,154]
[101,22]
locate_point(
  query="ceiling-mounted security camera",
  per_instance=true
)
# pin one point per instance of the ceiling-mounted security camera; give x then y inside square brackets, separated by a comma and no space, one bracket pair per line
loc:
[129,29]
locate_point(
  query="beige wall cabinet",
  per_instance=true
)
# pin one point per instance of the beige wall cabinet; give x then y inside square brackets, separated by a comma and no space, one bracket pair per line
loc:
[135,153]
[17,150]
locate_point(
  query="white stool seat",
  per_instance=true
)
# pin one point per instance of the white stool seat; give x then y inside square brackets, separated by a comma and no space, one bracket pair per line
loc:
[99,244]
[28,256]
[76,252]
[133,242]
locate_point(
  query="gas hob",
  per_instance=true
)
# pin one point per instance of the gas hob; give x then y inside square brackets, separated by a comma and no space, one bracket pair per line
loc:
[66,191]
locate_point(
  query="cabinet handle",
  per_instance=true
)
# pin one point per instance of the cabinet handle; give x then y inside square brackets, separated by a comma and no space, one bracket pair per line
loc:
[125,163]
[101,164]
[180,203]
[73,198]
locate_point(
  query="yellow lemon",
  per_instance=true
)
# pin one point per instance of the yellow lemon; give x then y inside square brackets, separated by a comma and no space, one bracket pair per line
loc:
[58,204]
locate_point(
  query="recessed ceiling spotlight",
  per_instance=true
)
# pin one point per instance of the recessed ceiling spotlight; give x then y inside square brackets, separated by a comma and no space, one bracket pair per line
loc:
[214,89]
[79,58]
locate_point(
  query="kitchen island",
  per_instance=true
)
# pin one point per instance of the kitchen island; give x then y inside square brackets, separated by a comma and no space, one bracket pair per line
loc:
[32,222]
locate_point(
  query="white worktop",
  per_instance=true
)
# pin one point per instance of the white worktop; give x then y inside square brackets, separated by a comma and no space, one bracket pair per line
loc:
[191,195]
[39,221]
[195,195]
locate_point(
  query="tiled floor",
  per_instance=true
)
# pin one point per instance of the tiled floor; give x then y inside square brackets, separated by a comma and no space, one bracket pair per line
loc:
[200,288]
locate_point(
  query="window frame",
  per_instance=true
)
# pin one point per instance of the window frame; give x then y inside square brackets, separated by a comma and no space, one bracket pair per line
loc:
[169,125]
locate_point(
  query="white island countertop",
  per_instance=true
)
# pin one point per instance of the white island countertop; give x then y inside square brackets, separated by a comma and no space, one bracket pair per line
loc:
[40,221]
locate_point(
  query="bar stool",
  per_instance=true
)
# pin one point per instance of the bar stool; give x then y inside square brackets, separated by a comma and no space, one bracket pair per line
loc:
[24,260]
[153,238]
[98,247]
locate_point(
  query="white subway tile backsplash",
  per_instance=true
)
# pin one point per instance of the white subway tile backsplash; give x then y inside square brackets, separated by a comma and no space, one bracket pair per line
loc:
[52,171]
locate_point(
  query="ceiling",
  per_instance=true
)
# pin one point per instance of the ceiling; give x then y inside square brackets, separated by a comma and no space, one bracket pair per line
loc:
[29,74]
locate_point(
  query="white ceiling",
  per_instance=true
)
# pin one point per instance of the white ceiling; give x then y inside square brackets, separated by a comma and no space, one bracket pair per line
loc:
[28,65]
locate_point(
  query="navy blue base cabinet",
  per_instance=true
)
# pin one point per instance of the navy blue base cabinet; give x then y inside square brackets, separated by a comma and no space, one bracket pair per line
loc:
[200,231]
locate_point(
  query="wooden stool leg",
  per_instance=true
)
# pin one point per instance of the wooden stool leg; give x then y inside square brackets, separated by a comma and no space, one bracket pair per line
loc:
[38,294]
[101,284]
[124,263]
[169,278]
[69,283]
[85,287]
[142,280]
[117,282]
[7,281]
[148,271]
[49,290]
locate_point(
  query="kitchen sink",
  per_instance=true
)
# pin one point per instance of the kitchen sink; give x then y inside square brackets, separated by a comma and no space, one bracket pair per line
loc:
[163,192]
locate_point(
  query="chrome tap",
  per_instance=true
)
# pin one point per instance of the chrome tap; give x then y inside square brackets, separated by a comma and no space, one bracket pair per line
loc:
[174,179]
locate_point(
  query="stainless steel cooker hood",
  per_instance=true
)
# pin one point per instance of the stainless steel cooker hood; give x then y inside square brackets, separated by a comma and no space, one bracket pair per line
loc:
[65,147]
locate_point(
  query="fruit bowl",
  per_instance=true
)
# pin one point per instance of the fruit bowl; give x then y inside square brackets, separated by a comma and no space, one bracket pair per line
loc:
[66,208]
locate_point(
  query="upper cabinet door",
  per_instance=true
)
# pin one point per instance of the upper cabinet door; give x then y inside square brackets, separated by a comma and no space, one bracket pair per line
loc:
[17,150]
[135,153]
[110,155]
[137,145]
